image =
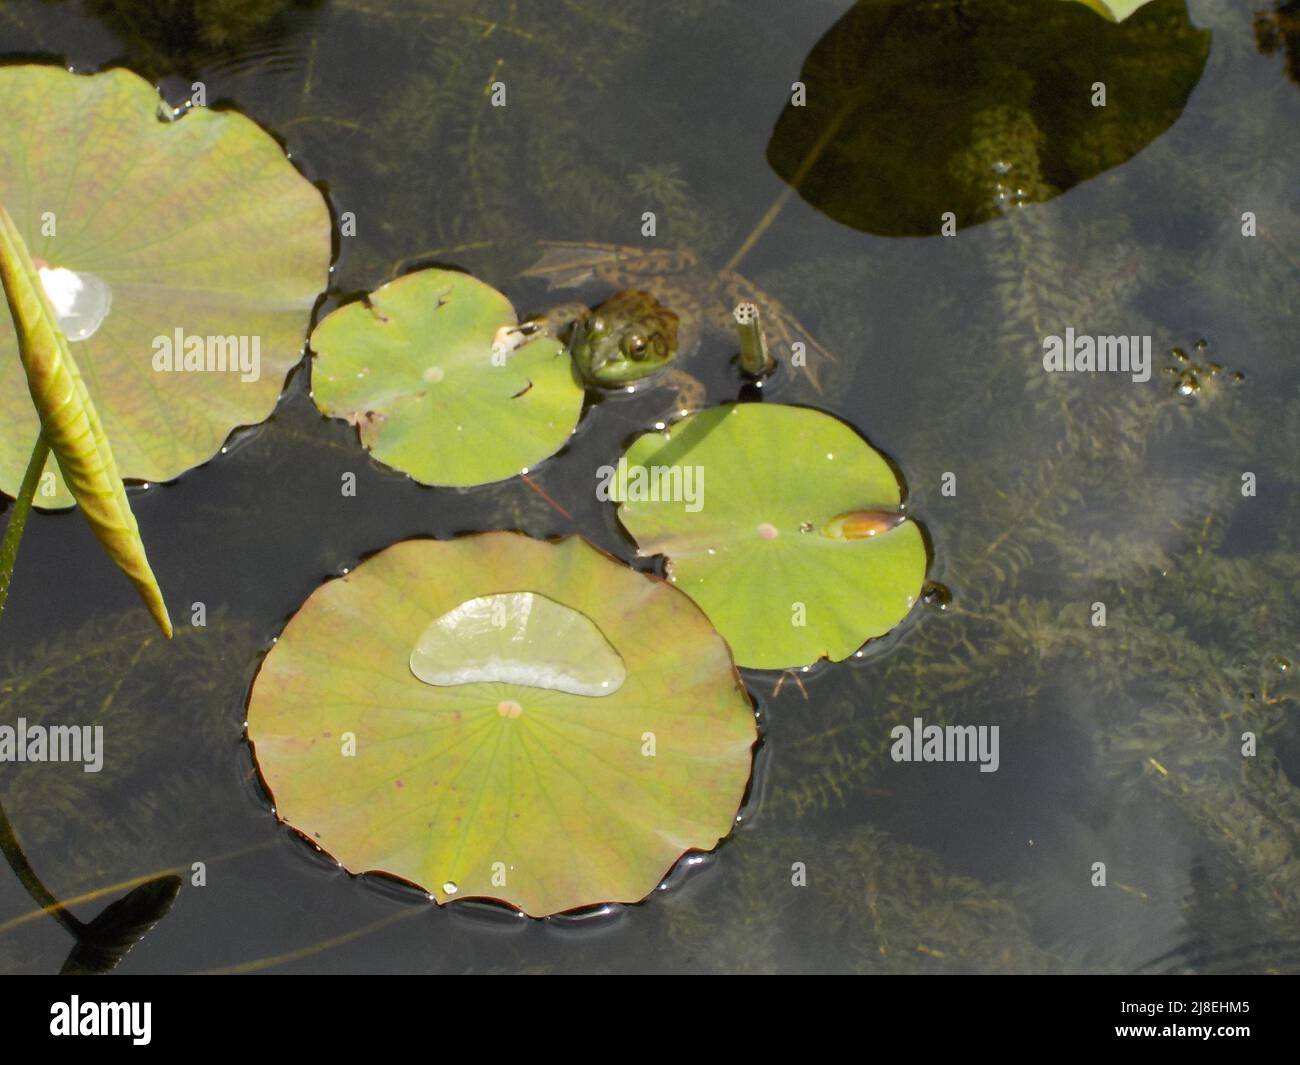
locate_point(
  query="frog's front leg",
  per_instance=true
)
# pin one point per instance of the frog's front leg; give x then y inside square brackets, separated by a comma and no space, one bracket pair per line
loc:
[551,323]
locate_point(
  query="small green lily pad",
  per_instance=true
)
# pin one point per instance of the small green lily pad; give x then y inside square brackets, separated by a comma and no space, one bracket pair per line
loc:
[518,638]
[762,532]
[413,368]
[155,236]
[538,797]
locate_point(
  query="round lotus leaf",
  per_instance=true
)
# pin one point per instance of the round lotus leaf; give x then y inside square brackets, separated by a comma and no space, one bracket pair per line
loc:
[158,240]
[414,369]
[543,799]
[916,115]
[518,638]
[781,522]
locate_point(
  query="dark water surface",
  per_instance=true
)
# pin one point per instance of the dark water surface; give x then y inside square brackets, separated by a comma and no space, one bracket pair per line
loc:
[1118,744]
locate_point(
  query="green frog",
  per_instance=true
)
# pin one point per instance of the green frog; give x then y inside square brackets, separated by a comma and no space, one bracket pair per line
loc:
[664,304]
[625,340]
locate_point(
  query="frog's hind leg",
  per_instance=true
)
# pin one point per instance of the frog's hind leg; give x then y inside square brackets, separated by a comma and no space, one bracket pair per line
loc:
[572,263]
[688,391]
[569,264]
[782,328]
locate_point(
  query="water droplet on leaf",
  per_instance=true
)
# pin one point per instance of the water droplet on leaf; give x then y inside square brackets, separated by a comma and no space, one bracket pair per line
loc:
[81,301]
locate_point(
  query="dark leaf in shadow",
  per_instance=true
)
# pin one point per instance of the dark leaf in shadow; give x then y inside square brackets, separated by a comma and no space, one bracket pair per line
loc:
[110,936]
[916,110]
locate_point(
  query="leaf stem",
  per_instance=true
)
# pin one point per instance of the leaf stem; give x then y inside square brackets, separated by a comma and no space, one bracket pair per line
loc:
[8,556]
[30,881]
[18,519]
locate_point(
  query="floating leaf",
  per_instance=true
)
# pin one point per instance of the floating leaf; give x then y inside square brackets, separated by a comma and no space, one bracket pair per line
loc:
[781,522]
[198,229]
[544,799]
[518,638]
[920,114]
[413,368]
[69,422]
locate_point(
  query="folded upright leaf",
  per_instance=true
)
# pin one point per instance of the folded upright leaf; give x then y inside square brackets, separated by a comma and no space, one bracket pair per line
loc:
[69,421]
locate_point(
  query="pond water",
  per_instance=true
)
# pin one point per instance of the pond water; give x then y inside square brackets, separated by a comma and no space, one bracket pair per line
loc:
[1043,496]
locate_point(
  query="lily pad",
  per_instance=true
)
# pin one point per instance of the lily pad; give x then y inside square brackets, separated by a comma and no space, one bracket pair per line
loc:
[545,800]
[916,111]
[790,537]
[198,228]
[413,368]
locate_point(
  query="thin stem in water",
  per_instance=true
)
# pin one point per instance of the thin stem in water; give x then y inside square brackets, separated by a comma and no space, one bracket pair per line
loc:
[18,519]
[8,556]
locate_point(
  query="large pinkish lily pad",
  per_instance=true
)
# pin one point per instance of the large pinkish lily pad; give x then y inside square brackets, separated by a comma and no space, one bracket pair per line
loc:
[198,225]
[536,796]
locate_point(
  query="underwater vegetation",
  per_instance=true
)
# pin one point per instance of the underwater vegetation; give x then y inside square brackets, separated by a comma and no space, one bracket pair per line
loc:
[1059,94]
[1069,492]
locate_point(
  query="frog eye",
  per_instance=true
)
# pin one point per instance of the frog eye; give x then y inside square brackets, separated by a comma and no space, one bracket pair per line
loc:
[636,347]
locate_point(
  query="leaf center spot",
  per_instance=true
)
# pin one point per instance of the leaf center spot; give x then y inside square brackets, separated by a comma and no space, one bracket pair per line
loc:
[768,531]
[433,374]
[509,708]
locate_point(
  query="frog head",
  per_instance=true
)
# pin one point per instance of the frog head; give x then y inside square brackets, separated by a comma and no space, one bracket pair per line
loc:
[628,337]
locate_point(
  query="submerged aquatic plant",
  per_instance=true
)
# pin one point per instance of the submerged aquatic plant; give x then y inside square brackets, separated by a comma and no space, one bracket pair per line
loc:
[104,941]
[77,840]
[1031,65]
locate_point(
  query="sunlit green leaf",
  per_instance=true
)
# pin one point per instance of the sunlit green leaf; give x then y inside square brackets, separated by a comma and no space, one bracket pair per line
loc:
[785,529]
[198,227]
[533,795]
[413,368]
